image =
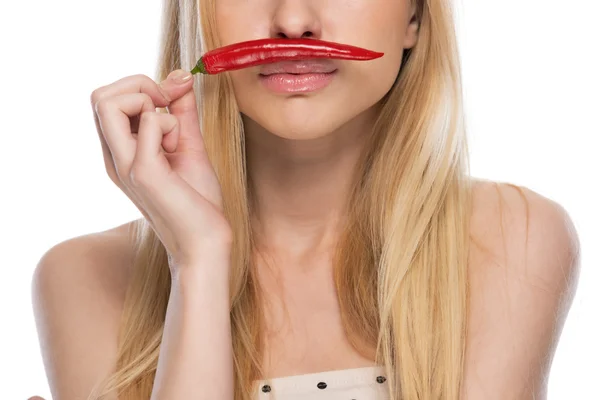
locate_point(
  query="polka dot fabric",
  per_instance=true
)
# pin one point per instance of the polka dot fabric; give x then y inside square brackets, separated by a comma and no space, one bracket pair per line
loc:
[349,384]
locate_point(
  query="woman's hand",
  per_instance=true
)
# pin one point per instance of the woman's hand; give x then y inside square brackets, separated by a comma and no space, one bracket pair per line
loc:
[158,160]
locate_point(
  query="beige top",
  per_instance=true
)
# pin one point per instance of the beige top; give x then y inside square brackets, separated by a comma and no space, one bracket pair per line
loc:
[348,384]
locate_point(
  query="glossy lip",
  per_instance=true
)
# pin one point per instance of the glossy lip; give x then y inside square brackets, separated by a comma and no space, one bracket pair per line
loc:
[293,77]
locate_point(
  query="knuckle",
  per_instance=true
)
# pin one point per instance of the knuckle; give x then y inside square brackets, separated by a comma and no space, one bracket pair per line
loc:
[146,103]
[102,107]
[149,117]
[140,77]
[143,81]
[96,96]
[137,176]
[149,102]
[145,116]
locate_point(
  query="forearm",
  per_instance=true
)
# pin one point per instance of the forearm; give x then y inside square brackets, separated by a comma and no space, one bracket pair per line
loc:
[196,357]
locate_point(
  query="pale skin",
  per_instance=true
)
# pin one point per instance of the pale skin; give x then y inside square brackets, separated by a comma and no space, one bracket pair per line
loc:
[300,153]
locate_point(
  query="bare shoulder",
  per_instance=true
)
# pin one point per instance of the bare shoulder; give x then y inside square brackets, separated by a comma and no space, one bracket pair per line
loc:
[100,262]
[78,290]
[517,227]
[523,270]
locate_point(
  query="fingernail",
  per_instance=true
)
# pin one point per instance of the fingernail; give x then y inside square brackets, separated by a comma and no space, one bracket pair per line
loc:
[180,76]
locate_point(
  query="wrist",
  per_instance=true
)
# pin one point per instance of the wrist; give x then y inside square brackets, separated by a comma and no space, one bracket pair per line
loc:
[202,257]
[209,274]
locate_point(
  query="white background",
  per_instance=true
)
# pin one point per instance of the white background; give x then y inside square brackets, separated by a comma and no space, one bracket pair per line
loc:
[532,91]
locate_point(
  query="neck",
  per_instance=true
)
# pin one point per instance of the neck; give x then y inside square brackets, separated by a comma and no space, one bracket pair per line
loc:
[300,187]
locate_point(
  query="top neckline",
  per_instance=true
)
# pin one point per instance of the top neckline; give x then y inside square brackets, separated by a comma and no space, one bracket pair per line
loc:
[345,372]
[309,384]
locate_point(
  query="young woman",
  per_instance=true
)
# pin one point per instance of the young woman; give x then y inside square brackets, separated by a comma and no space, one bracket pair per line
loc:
[314,235]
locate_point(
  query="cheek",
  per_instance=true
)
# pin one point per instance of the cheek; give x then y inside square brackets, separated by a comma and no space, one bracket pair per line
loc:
[376,25]
[236,21]
[368,82]
[241,20]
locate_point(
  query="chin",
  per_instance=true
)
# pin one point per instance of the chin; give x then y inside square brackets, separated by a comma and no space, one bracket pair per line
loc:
[305,125]
[299,132]
[296,117]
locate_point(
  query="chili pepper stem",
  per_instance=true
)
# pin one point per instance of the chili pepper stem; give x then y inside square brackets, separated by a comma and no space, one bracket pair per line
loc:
[199,68]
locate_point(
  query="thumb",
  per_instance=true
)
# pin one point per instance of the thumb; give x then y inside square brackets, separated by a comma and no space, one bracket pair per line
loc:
[179,89]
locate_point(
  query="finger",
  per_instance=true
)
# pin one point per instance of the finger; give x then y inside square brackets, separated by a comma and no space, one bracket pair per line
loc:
[162,192]
[109,163]
[132,84]
[170,139]
[184,106]
[114,114]
[153,128]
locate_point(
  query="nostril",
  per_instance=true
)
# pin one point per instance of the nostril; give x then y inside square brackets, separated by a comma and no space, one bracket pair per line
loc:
[307,34]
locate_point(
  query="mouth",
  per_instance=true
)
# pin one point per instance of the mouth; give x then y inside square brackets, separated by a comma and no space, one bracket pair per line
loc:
[298,67]
[297,76]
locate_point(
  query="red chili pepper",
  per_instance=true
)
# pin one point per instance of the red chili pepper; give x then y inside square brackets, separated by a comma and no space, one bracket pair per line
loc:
[264,51]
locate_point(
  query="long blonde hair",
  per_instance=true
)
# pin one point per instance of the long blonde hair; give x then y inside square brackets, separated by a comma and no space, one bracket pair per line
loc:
[401,267]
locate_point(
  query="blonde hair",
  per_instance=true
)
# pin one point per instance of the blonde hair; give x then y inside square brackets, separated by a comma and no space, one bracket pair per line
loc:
[401,267]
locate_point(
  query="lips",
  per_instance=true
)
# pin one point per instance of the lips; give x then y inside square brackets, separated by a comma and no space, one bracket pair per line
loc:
[298,67]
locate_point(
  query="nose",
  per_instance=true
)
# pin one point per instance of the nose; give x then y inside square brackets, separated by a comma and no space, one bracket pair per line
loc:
[295,19]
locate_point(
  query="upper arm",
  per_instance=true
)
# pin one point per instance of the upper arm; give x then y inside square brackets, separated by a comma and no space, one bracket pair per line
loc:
[77,293]
[523,273]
